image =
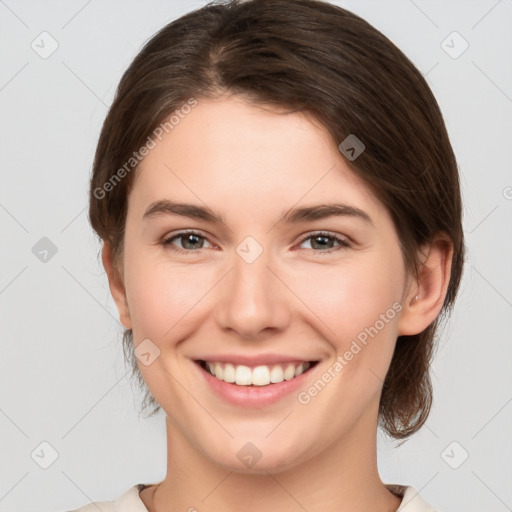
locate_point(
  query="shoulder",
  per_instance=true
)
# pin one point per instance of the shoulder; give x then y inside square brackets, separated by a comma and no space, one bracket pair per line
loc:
[129,501]
[411,499]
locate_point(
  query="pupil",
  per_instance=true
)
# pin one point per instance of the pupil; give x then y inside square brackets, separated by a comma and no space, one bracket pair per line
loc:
[191,238]
[322,237]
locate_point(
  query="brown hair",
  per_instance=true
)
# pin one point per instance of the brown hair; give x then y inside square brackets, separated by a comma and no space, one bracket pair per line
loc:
[318,58]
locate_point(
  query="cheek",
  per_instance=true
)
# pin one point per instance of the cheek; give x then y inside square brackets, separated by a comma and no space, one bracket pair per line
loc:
[166,302]
[162,297]
[352,296]
[356,307]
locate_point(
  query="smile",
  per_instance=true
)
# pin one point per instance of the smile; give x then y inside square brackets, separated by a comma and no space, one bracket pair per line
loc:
[262,375]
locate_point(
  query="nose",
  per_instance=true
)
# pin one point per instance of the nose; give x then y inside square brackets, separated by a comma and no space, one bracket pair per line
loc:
[253,300]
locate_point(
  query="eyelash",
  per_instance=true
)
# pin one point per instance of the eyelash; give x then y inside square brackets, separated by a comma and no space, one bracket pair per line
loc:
[343,243]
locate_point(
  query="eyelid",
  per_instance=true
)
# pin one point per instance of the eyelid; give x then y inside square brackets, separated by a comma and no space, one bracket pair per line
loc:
[321,232]
[191,231]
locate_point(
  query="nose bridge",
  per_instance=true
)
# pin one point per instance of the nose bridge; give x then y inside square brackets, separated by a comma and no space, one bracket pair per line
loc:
[253,299]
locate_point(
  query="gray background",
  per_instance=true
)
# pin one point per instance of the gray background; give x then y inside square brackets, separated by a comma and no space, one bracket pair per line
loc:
[62,376]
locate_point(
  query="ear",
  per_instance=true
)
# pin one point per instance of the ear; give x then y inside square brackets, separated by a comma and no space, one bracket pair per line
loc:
[424,296]
[116,285]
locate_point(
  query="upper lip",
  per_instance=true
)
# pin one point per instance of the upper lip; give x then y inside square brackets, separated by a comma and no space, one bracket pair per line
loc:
[259,360]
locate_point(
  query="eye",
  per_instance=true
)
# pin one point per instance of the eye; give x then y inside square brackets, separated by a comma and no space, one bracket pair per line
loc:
[191,241]
[324,242]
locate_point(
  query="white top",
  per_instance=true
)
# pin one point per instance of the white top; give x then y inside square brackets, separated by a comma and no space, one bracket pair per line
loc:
[130,501]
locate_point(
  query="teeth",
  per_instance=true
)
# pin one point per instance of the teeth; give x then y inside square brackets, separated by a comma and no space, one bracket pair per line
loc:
[299,370]
[229,373]
[289,373]
[276,375]
[243,376]
[219,373]
[259,376]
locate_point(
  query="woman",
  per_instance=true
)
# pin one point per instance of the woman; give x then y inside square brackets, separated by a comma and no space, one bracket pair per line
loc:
[280,212]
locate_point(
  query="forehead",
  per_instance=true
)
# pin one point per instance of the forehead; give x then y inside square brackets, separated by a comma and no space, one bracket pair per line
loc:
[228,152]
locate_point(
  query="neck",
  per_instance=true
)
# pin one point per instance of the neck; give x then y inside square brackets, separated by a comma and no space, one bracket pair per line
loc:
[342,478]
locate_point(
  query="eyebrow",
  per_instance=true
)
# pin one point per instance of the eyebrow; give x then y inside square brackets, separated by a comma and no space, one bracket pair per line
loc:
[292,216]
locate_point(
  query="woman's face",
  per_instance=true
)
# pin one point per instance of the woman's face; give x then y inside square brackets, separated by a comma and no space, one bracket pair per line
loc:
[275,282]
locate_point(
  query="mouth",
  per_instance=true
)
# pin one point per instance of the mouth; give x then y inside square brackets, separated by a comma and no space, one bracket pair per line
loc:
[256,376]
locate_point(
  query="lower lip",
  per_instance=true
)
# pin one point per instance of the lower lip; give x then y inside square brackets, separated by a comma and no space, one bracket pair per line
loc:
[253,396]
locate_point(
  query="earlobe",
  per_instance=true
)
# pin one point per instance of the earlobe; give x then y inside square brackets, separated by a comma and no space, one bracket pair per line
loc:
[116,285]
[425,295]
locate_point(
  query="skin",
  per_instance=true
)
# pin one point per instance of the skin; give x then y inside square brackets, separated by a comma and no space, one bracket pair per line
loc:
[251,164]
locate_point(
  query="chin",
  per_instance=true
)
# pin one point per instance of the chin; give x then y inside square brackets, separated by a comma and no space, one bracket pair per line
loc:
[261,456]
[274,463]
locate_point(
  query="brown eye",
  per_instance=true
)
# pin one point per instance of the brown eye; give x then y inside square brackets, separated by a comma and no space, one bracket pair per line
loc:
[325,242]
[189,241]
